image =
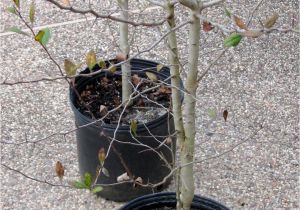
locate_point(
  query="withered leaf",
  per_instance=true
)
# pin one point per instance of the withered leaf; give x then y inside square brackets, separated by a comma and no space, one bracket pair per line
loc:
[159,67]
[105,172]
[164,89]
[136,79]
[59,169]
[269,23]
[225,115]
[239,22]
[112,68]
[101,156]
[103,110]
[120,57]
[207,26]
[151,76]
[123,177]
[137,181]
[168,140]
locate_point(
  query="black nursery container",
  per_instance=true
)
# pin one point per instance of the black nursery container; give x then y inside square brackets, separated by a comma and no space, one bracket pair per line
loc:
[167,200]
[141,163]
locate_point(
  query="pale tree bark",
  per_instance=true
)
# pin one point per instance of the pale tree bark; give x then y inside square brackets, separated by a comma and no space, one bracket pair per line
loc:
[173,58]
[124,45]
[187,187]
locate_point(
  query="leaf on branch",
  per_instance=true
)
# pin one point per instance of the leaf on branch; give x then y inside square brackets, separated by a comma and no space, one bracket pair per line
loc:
[137,181]
[207,26]
[17,30]
[112,68]
[91,59]
[123,177]
[151,76]
[79,185]
[159,67]
[269,23]
[101,156]
[88,180]
[164,89]
[252,33]
[168,140]
[135,79]
[133,127]
[232,40]
[11,10]
[225,115]
[103,110]
[59,169]
[97,189]
[105,172]
[239,22]
[227,12]
[121,57]
[102,64]
[17,3]
[43,36]
[70,68]
[32,12]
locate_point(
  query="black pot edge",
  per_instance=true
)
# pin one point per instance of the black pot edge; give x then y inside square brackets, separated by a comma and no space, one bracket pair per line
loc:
[121,128]
[156,197]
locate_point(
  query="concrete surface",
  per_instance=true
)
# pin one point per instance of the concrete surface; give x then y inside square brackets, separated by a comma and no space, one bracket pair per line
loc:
[256,82]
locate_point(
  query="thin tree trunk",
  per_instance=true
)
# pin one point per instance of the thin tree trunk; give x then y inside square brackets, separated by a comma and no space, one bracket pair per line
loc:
[173,58]
[126,69]
[187,148]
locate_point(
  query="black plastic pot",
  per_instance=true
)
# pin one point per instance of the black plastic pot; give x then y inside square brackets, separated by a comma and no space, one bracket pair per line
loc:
[167,200]
[141,163]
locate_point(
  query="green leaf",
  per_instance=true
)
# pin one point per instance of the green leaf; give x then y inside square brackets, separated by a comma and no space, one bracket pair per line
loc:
[133,127]
[17,2]
[32,12]
[79,185]
[11,10]
[88,180]
[43,36]
[102,64]
[112,68]
[90,59]
[227,12]
[17,30]
[232,40]
[97,189]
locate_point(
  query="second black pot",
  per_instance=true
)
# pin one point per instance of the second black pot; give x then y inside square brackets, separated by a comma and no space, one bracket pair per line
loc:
[167,200]
[141,163]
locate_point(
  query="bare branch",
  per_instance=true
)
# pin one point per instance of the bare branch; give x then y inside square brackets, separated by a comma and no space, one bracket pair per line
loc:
[111,17]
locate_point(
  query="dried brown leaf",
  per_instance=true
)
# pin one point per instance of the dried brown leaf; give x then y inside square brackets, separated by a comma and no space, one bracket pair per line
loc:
[207,26]
[225,115]
[239,22]
[101,156]
[59,169]
[136,79]
[121,57]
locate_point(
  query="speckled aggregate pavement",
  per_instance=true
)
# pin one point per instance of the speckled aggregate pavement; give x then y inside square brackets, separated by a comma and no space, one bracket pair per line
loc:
[257,82]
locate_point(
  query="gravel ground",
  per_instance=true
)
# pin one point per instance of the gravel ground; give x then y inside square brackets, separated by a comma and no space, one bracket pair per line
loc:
[257,82]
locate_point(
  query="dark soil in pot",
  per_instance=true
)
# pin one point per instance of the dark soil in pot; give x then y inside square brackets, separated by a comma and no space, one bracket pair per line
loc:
[167,201]
[127,155]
